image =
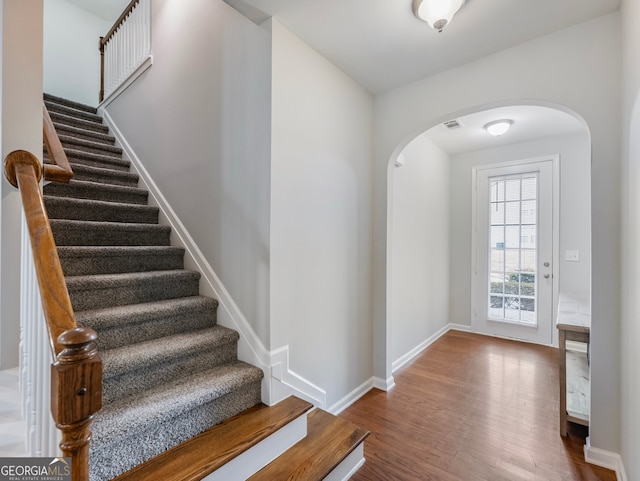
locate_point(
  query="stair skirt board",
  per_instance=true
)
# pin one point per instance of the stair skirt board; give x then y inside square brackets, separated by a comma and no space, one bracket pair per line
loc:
[254,459]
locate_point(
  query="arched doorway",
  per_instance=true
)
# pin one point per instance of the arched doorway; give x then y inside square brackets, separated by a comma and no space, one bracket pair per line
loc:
[430,217]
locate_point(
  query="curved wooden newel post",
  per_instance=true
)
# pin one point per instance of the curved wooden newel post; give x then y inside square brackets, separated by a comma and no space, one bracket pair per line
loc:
[76,395]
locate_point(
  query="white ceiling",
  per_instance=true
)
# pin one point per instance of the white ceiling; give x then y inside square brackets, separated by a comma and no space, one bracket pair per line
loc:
[381,45]
[108,10]
[529,123]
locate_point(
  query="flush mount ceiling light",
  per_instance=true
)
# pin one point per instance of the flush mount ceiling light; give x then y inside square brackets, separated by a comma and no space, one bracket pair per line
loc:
[498,127]
[437,13]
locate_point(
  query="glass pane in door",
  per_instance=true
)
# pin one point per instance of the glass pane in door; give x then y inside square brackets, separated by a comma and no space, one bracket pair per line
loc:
[512,248]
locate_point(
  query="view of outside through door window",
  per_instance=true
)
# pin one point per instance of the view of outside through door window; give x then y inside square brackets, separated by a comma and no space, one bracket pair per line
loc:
[512,272]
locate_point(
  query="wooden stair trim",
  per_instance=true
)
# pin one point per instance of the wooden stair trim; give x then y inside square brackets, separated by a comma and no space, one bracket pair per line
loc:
[202,455]
[329,441]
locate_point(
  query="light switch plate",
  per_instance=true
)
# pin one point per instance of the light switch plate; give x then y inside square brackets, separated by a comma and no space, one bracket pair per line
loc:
[572,256]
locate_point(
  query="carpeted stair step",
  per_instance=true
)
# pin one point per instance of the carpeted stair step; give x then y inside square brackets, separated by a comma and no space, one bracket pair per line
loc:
[89,260]
[116,326]
[74,143]
[227,442]
[88,233]
[104,176]
[108,290]
[92,159]
[81,189]
[60,118]
[135,368]
[81,133]
[101,211]
[73,112]
[133,430]
[70,103]
[106,160]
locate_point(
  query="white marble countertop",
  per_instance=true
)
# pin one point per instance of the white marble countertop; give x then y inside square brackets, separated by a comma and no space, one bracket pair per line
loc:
[574,313]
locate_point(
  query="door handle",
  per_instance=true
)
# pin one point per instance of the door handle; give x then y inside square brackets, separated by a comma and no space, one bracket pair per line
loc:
[546,276]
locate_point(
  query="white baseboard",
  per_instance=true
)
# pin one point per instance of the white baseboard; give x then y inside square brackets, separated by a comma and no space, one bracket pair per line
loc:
[419,348]
[352,397]
[605,459]
[459,327]
[384,384]
[285,382]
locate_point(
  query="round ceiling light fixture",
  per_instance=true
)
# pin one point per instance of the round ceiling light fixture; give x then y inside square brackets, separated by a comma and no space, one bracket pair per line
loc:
[498,127]
[437,13]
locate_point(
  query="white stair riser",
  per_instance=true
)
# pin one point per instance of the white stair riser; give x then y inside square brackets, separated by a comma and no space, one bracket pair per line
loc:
[256,458]
[348,466]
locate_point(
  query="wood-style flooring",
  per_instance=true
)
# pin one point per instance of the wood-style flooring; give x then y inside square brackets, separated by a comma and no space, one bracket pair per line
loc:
[472,408]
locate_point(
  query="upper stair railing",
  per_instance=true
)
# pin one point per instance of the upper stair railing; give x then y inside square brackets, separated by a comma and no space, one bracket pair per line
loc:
[76,374]
[125,47]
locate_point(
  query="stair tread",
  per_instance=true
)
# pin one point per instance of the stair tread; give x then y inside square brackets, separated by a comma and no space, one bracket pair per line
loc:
[65,119]
[70,139]
[200,456]
[72,208]
[62,101]
[329,440]
[116,251]
[104,138]
[74,201]
[118,280]
[126,416]
[98,186]
[112,316]
[103,171]
[112,158]
[73,111]
[116,362]
[128,226]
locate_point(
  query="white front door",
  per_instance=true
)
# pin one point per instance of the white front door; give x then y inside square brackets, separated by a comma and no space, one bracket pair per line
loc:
[513,247]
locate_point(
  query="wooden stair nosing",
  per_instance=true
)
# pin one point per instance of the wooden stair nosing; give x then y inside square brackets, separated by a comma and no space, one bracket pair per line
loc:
[202,455]
[329,441]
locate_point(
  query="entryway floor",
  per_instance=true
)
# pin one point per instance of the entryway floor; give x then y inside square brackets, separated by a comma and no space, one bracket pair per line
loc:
[12,426]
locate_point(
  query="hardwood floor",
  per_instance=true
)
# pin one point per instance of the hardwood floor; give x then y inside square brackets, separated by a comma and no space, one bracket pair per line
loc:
[472,408]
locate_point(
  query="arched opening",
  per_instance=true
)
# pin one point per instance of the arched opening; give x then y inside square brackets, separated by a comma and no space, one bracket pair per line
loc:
[431,218]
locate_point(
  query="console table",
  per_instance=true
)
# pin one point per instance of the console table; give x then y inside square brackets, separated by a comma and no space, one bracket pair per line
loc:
[574,324]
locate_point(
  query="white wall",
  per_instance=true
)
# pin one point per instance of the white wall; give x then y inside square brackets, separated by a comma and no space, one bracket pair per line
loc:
[320,217]
[578,68]
[575,213]
[630,328]
[71,55]
[199,121]
[419,257]
[21,106]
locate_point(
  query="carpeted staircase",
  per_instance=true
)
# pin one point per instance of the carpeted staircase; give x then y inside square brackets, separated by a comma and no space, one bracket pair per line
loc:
[169,371]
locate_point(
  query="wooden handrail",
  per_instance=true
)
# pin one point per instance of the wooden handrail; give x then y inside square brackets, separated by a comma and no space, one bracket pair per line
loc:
[104,40]
[60,169]
[76,375]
